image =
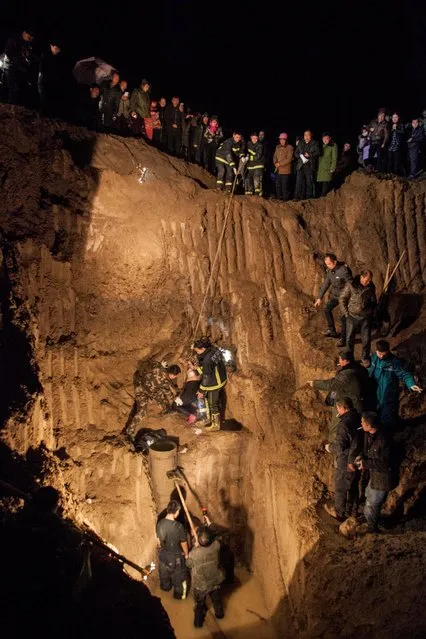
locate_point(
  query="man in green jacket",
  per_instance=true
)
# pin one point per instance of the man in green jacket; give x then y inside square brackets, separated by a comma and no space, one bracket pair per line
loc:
[206,575]
[140,102]
[327,164]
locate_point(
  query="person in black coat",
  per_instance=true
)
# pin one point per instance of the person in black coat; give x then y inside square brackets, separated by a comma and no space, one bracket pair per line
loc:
[351,381]
[50,81]
[345,480]
[338,273]
[110,101]
[396,145]
[372,454]
[19,70]
[307,154]
[173,118]
[415,143]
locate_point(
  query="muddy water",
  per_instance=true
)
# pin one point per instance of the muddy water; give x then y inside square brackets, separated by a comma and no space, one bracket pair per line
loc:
[245,613]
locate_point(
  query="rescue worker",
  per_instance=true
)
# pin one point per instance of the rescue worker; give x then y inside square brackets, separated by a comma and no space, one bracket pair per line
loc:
[206,575]
[345,479]
[173,552]
[351,381]
[373,455]
[227,158]
[19,68]
[154,382]
[255,166]
[358,301]
[338,273]
[387,370]
[213,379]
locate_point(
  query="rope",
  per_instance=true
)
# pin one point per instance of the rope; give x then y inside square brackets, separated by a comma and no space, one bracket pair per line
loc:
[219,249]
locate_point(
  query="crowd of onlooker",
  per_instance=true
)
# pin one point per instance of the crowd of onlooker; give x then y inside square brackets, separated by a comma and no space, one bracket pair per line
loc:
[387,145]
[307,169]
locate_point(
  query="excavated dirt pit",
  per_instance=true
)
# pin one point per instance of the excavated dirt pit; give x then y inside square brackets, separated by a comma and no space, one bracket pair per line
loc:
[100,271]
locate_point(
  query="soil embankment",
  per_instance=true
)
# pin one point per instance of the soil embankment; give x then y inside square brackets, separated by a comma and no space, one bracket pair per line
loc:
[101,269]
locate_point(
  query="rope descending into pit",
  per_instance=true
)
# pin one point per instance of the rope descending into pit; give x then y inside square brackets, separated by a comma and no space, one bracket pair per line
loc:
[216,258]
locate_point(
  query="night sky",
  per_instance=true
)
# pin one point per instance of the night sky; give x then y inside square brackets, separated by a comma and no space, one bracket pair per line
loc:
[272,65]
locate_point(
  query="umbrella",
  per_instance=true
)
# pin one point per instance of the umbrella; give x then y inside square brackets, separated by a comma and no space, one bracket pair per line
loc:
[92,71]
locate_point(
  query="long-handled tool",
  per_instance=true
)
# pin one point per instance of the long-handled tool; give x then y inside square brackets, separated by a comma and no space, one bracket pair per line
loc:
[180,473]
[389,279]
[173,474]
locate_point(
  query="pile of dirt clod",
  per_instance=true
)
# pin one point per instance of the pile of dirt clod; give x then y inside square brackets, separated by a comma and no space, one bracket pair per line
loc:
[104,265]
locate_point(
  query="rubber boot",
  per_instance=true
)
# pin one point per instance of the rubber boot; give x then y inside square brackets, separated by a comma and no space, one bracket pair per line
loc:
[215,423]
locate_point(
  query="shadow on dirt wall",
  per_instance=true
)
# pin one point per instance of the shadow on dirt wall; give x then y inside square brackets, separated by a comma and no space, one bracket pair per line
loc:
[44,581]
[48,188]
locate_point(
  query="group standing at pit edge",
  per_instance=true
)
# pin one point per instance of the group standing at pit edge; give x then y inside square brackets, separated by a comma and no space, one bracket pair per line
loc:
[301,171]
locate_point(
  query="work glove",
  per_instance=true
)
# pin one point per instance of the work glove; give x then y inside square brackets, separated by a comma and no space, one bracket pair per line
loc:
[328,448]
[416,389]
[178,401]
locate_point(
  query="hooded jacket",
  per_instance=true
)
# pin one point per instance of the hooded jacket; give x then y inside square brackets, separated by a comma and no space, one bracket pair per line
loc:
[212,369]
[357,300]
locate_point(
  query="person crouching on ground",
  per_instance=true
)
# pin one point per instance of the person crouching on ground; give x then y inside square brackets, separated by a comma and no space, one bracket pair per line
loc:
[186,401]
[206,575]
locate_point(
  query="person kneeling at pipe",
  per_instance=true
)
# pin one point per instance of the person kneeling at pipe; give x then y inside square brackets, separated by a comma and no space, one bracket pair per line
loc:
[186,401]
[173,552]
[155,382]
[206,575]
[212,368]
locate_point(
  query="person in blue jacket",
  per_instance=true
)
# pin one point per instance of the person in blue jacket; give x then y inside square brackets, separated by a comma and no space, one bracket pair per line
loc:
[388,370]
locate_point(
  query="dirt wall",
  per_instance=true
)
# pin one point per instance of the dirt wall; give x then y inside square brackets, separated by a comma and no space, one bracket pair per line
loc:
[103,270]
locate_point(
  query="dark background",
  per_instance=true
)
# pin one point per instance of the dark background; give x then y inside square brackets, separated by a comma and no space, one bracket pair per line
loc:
[271,65]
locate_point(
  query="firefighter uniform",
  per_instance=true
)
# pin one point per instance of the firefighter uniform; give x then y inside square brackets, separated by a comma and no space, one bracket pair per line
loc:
[227,159]
[212,369]
[255,168]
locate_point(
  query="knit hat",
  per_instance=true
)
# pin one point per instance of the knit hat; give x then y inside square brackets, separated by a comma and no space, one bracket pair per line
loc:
[283,136]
